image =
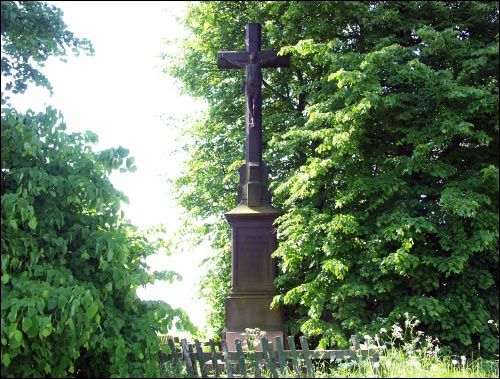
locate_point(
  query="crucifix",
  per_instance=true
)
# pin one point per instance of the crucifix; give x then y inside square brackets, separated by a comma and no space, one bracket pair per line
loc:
[253,270]
[253,60]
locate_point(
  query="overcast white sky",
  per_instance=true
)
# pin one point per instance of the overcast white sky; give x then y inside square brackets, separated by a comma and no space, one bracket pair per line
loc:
[122,95]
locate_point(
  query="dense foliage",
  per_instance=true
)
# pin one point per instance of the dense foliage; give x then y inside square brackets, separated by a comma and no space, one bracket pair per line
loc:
[70,263]
[382,141]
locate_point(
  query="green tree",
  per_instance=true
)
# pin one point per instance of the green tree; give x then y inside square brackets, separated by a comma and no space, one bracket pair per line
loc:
[33,31]
[71,264]
[382,141]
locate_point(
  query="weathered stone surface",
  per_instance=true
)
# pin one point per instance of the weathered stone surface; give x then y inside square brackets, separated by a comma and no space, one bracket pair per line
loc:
[253,241]
[252,311]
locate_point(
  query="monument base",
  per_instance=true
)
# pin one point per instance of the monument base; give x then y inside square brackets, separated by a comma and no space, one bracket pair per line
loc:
[253,273]
[231,336]
[252,311]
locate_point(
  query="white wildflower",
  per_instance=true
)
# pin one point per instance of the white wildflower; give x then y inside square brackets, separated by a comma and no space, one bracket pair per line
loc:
[396,331]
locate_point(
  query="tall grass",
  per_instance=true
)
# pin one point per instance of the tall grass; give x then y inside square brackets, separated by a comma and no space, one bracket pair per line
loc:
[396,363]
[405,352]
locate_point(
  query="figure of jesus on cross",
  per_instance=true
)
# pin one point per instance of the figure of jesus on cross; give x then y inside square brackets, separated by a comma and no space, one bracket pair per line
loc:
[253,79]
[252,83]
[253,60]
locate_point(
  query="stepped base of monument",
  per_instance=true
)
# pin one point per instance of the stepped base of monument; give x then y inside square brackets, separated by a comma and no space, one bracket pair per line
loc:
[231,337]
[252,311]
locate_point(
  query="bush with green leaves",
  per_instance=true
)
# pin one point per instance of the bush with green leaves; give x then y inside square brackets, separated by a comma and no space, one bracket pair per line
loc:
[71,264]
[382,142]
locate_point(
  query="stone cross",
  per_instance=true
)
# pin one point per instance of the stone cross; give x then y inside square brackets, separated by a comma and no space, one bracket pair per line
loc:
[252,221]
[253,60]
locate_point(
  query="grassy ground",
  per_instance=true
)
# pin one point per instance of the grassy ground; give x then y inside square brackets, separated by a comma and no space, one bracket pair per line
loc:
[398,364]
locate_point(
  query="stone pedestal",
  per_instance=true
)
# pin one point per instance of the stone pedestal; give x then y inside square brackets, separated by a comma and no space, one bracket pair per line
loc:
[253,273]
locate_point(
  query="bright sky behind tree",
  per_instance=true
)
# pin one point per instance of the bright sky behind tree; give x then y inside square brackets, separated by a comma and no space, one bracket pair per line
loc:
[122,95]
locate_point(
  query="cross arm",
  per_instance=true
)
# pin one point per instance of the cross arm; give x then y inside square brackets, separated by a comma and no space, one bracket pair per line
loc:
[231,59]
[238,59]
[271,59]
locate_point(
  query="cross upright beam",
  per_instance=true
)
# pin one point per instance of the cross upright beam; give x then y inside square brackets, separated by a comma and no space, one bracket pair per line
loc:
[253,40]
[253,60]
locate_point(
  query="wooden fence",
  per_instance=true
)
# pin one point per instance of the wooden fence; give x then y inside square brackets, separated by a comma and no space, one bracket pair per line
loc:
[213,360]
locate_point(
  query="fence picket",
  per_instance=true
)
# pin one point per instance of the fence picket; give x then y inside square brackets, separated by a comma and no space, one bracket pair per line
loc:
[256,365]
[268,357]
[171,344]
[241,358]
[295,356]
[201,361]
[229,369]
[192,355]
[307,356]
[214,358]
[187,359]
[281,356]
[256,368]
[355,342]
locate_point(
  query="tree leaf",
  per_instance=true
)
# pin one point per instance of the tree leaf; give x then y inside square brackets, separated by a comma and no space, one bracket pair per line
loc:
[27,324]
[91,311]
[6,359]
[18,335]
[32,222]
